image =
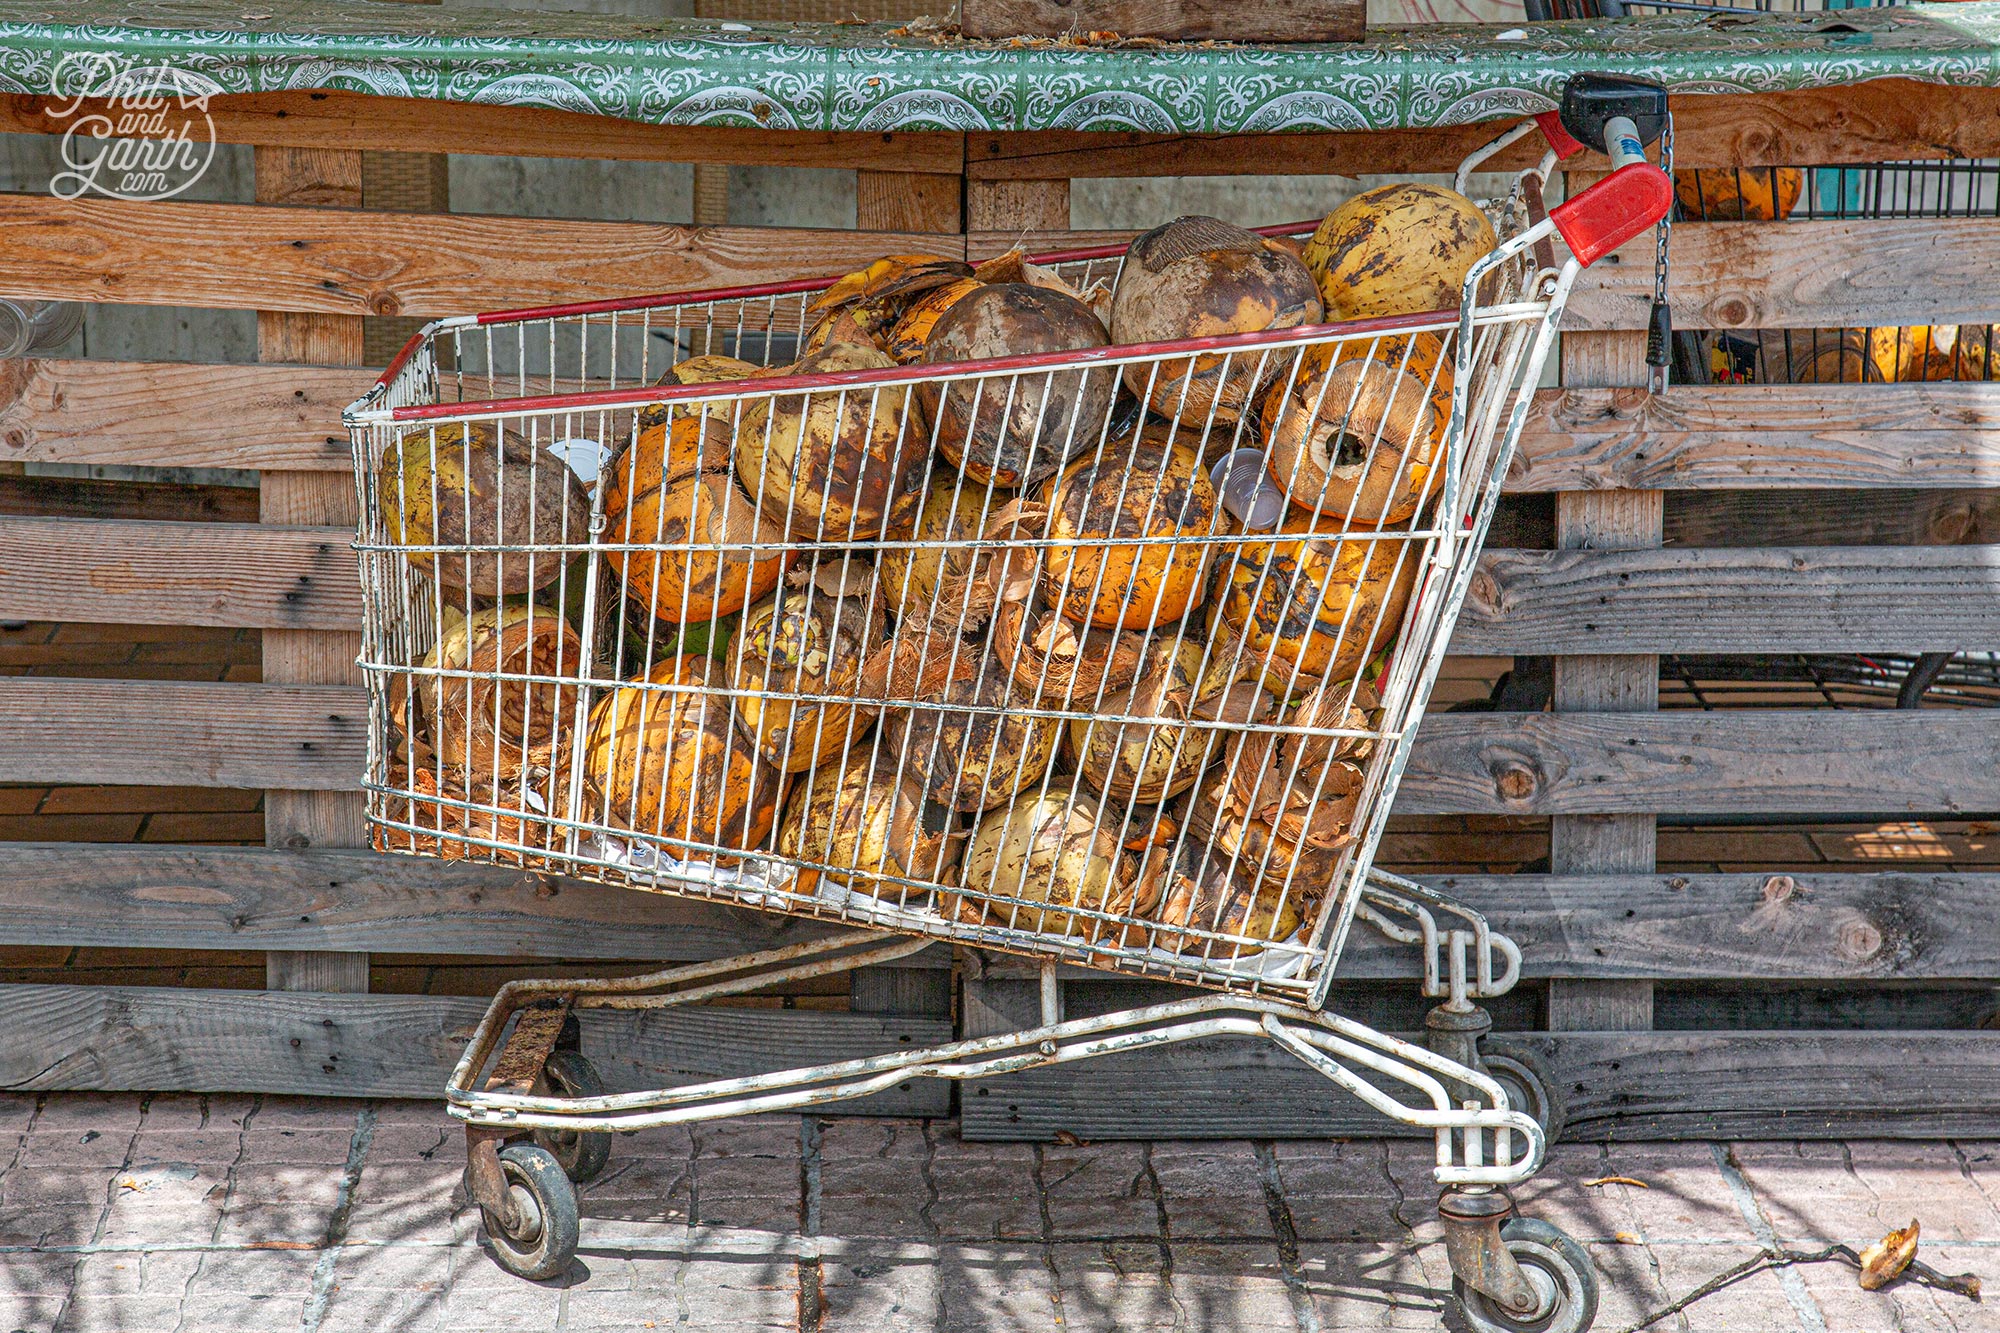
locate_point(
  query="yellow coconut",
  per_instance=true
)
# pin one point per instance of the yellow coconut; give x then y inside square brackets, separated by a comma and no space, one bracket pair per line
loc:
[1739,194]
[669,765]
[951,511]
[1356,443]
[870,827]
[1012,431]
[1137,489]
[1159,758]
[810,637]
[444,487]
[969,740]
[829,464]
[710,370]
[1198,277]
[1307,605]
[1397,250]
[1203,897]
[679,493]
[1048,851]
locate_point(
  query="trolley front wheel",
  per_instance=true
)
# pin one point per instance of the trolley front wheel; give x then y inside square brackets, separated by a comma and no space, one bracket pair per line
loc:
[538,1237]
[1557,1268]
[583,1155]
[1529,1088]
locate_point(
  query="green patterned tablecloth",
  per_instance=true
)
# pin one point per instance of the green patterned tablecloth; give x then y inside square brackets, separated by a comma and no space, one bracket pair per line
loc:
[688,72]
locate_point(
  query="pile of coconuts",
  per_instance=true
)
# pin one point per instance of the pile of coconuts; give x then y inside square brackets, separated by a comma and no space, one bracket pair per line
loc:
[991,646]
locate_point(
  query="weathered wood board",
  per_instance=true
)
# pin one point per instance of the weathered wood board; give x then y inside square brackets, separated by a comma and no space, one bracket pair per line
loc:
[1174,20]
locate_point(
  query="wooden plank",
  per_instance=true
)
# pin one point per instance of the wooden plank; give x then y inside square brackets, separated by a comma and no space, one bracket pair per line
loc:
[357,121]
[1837,518]
[177,733]
[1813,599]
[1175,20]
[908,202]
[1752,275]
[329,180]
[317,260]
[129,1038]
[88,497]
[1879,121]
[1778,436]
[134,572]
[1002,214]
[357,901]
[1617,1085]
[1781,761]
[272,418]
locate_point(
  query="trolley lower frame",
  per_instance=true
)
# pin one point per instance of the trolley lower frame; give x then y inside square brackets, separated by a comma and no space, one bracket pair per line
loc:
[522,1077]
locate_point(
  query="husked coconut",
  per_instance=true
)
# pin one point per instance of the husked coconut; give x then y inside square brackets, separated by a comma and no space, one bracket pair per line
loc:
[869,827]
[1140,489]
[1014,430]
[670,764]
[951,512]
[1155,760]
[1308,605]
[828,464]
[1356,443]
[1398,250]
[679,497]
[1048,851]
[968,741]
[1199,277]
[1203,897]
[812,636]
[1284,825]
[489,719]
[447,486]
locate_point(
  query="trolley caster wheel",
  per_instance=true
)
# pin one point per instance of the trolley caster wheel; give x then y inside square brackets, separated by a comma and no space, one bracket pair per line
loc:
[581,1154]
[1557,1268]
[1528,1086]
[541,1243]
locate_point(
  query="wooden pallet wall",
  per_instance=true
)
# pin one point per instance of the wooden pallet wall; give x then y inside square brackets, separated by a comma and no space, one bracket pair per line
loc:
[321,261]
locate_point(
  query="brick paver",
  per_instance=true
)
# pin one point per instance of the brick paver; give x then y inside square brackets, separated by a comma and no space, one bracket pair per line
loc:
[182,1213]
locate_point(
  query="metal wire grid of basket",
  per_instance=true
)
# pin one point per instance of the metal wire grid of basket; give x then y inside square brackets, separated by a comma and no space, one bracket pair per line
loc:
[1195,796]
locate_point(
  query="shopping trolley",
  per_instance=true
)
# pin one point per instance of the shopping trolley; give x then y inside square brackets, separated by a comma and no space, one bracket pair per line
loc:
[1024,653]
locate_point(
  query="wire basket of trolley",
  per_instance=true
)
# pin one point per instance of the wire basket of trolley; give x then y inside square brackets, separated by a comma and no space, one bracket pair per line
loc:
[1012,606]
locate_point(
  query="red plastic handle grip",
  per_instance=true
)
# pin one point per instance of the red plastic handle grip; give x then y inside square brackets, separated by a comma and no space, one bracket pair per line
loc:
[1613,211]
[1558,137]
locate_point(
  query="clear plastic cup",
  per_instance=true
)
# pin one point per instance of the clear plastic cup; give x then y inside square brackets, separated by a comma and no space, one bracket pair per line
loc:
[1243,482]
[37,326]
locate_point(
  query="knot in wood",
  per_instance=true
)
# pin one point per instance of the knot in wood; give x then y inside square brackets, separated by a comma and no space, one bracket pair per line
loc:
[1858,940]
[1731,312]
[1779,888]
[1515,780]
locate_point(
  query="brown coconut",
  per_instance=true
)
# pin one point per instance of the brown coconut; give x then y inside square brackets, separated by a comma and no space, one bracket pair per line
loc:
[1198,277]
[952,511]
[1285,825]
[487,723]
[441,487]
[971,760]
[681,492]
[1398,250]
[1356,443]
[519,806]
[1047,851]
[1012,431]
[1142,489]
[1157,759]
[670,764]
[1201,895]
[829,464]
[812,636]
[1307,605]
[871,825]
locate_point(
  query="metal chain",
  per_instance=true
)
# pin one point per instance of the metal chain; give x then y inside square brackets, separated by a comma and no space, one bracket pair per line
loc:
[1659,337]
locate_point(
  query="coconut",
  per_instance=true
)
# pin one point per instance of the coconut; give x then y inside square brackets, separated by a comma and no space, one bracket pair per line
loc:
[1051,850]
[971,760]
[1148,490]
[1741,194]
[1826,356]
[1197,277]
[1011,431]
[1201,893]
[673,490]
[518,805]
[871,825]
[1328,707]
[1398,250]
[1356,443]
[1156,760]
[1284,826]
[951,512]
[710,370]
[812,636]
[912,330]
[445,487]
[1308,605]
[828,464]
[487,722]
[1058,663]
[669,764]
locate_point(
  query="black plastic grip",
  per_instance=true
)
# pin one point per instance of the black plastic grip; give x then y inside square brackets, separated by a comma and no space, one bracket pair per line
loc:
[1589,100]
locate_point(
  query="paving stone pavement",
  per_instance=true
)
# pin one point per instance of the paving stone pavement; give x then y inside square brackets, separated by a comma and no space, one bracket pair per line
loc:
[123,1214]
